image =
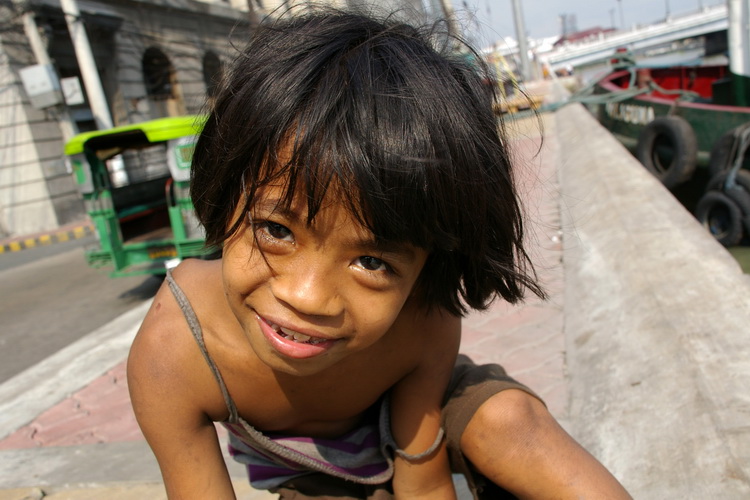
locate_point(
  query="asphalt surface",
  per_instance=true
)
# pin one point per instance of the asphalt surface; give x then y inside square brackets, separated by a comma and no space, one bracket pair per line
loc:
[51,298]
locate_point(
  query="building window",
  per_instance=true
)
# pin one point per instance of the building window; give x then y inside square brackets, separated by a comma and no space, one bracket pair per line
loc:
[158,74]
[213,72]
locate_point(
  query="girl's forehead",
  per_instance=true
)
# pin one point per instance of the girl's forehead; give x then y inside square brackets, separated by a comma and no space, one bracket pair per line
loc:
[334,208]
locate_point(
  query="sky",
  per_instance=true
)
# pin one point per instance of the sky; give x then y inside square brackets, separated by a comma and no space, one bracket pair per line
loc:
[542,17]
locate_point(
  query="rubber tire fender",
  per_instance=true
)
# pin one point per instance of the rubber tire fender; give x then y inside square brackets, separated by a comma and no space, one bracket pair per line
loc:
[731,231]
[724,150]
[680,135]
[739,193]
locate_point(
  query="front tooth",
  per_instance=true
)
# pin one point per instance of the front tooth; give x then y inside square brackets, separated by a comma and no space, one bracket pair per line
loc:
[286,331]
[299,337]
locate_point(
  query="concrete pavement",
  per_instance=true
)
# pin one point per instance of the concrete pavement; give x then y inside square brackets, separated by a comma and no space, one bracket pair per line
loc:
[641,351]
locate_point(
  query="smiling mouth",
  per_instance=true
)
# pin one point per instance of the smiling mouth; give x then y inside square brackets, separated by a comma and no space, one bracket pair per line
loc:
[300,338]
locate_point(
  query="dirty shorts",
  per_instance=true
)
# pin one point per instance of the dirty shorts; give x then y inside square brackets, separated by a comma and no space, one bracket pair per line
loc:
[469,387]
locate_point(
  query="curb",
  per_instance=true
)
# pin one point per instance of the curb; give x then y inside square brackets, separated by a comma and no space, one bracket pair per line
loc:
[656,318]
[57,236]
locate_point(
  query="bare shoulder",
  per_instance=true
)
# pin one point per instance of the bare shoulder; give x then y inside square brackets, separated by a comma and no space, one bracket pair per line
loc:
[165,356]
[434,334]
[165,325]
[195,274]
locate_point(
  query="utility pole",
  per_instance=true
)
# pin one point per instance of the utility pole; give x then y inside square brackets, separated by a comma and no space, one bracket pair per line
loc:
[252,14]
[437,8]
[622,18]
[87,65]
[523,46]
[449,15]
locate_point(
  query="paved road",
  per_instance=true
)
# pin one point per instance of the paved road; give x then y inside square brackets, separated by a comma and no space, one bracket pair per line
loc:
[49,298]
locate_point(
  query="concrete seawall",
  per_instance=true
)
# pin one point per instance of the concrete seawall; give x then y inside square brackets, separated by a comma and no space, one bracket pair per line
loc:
[657,327]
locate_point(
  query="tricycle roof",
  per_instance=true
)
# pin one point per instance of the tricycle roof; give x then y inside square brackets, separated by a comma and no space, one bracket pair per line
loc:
[152,131]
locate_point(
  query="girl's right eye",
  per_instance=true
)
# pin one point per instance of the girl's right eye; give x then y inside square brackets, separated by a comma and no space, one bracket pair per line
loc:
[274,231]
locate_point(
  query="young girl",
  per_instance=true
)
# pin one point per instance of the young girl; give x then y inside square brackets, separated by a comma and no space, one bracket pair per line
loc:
[355,179]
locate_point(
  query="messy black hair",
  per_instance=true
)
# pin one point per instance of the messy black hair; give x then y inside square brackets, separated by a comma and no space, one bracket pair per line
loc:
[393,117]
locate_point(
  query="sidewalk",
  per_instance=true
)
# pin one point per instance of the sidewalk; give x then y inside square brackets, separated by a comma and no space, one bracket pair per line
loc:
[88,445]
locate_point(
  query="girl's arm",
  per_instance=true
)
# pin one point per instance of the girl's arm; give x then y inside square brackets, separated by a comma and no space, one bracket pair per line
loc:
[416,411]
[166,385]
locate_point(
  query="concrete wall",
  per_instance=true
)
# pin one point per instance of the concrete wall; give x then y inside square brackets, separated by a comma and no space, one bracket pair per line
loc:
[33,179]
[657,318]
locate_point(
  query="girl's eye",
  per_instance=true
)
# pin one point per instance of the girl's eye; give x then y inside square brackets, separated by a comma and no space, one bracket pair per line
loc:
[372,263]
[276,231]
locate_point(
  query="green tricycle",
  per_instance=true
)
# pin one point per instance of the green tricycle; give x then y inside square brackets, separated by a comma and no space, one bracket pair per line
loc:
[134,180]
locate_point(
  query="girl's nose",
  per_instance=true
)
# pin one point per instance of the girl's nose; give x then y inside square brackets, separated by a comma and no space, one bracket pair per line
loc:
[310,288]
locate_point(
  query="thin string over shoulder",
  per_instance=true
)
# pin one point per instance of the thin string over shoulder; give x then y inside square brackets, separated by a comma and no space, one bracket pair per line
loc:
[195,328]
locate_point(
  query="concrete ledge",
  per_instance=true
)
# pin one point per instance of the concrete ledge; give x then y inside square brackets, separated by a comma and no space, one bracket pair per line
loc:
[61,235]
[657,317]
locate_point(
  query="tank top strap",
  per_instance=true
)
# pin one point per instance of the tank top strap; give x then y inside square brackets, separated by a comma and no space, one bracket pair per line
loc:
[195,328]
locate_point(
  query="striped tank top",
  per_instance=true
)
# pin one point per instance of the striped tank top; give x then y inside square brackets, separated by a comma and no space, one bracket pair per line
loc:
[363,455]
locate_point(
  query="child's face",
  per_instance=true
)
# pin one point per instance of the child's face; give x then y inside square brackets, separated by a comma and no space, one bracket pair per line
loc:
[317,293]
